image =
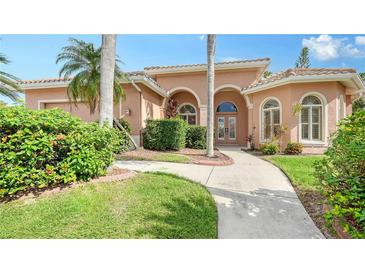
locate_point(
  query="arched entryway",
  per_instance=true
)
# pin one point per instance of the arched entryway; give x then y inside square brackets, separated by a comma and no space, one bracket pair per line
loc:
[188,105]
[230,119]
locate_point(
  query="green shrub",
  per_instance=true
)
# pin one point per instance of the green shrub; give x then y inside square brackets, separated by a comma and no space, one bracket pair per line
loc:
[47,147]
[196,137]
[125,124]
[165,134]
[269,148]
[293,148]
[342,173]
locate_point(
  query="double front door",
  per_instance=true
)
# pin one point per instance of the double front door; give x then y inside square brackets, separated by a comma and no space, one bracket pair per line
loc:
[226,129]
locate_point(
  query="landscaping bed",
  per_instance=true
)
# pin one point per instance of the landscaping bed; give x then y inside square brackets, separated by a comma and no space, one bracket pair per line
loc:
[113,174]
[148,205]
[300,170]
[185,155]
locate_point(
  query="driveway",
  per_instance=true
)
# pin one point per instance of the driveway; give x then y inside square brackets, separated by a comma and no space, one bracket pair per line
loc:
[255,200]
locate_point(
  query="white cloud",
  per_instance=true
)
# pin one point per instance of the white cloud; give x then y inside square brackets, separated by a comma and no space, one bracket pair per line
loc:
[229,59]
[201,37]
[360,40]
[325,47]
[350,51]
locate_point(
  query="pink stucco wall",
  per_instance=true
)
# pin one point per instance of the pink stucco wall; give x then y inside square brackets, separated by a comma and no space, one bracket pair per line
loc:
[191,88]
[57,98]
[291,94]
[197,81]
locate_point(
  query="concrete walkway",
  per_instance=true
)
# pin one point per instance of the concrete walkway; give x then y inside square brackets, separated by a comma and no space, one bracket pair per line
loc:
[255,199]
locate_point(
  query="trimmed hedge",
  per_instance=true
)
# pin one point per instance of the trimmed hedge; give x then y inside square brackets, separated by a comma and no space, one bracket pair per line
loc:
[342,173]
[165,134]
[196,137]
[293,148]
[39,148]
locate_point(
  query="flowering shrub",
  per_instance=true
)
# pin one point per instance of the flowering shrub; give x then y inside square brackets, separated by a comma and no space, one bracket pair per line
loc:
[293,148]
[269,148]
[39,148]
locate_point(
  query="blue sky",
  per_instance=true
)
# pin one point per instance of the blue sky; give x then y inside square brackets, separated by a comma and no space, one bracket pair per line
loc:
[33,56]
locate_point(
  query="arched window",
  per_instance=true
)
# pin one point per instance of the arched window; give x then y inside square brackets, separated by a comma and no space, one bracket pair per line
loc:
[187,112]
[270,123]
[227,107]
[311,118]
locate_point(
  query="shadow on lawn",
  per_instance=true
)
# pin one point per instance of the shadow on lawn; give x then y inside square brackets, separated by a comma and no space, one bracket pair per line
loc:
[195,218]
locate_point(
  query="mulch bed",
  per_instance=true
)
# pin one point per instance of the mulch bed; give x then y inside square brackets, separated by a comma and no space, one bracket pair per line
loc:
[196,156]
[113,174]
[315,205]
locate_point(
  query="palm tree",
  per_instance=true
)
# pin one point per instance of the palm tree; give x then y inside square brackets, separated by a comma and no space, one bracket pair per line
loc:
[82,61]
[8,83]
[106,79]
[210,76]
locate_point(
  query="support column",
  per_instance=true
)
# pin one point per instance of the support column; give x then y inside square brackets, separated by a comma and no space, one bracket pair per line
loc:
[203,112]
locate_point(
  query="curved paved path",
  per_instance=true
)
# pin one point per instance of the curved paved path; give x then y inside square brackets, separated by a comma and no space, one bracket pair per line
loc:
[254,198]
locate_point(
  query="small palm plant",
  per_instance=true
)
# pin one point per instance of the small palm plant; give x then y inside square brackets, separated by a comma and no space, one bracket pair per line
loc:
[82,63]
[296,109]
[8,83]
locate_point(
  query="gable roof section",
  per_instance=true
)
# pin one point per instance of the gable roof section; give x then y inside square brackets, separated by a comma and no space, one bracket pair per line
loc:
[135,76]
[348,77]
[252,63]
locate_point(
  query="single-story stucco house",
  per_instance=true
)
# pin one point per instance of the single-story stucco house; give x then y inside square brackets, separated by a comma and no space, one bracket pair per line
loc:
[245,103]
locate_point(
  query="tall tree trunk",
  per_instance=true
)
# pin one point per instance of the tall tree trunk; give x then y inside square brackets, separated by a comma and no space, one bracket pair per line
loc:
[210,76]
[107,67]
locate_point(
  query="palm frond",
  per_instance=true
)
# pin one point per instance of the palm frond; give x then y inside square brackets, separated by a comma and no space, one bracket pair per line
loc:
[3,59]
[8,82]
[82,61]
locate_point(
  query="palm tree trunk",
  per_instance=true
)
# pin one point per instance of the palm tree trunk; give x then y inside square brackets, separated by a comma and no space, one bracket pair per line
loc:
[107,67]
[210,76]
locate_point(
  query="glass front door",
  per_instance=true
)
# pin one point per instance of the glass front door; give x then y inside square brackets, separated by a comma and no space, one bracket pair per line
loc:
[232,128]
[226,129]
[221,128]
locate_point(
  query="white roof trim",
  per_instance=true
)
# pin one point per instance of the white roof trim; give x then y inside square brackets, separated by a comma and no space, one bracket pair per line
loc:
[307,78]
[196,68]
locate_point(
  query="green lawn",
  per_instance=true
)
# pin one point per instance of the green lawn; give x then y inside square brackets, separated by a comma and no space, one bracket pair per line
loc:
[170,157]
[150,205]
[163,157]
[299,169]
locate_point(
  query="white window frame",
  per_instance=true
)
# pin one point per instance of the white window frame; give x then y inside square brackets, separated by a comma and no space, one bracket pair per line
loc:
[324,121]
[192,114]
[262,117]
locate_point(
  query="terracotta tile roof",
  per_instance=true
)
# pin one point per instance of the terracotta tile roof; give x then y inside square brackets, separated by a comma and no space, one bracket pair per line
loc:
[43,81]
[65,80]
[299,72]
[130,75]
[218,63]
